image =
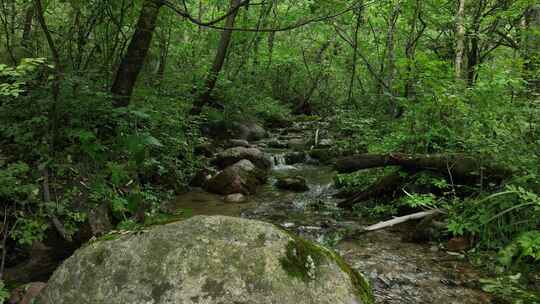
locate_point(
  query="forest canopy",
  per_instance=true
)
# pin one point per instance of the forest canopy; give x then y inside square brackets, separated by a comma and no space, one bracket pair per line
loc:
[112,105]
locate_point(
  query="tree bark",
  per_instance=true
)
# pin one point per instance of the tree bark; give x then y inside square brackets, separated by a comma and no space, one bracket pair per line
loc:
[473,57]
[458,166]
[460,41]
[27,30]
[219,59]
[303,102]
[410,48]
[164,43]
[532,48]
[391,60]
[58,75]
[133,60]
[355,57]
[271,37]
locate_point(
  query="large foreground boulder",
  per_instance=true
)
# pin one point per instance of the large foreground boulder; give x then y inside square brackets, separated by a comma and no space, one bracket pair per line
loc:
[206,259]
[233,155]
[242,177]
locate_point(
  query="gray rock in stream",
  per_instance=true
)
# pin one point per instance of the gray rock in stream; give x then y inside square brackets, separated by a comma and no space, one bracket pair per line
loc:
[223,130]
[277,144]
[295,183]
[206,259]
[297,144]
[242,177]
[233,155]
[236,198]
[237,143]
[292,158]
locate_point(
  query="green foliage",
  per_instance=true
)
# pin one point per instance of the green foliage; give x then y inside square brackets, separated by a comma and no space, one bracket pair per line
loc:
[497,218]
[524,248]
[14,79]
[358,180]
[12,185]
[510,288]
[4,292]
[357,130]
[133,159]
[376,209]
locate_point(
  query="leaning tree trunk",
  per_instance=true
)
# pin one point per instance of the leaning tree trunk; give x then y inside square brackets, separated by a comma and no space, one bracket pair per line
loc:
[458,166]
[219,59]
[460,41]
[132,62]
[532,48]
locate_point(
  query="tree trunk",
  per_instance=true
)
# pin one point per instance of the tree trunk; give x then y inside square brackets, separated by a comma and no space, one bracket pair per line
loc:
[355,57]
[303,103]
[473,58]
[460,41]
[58,75]
[164,43]
[410,48]
[457,166]
[219,59]
[27,30]
[271,37]
[7,31]
[391,59]
[532,48]
[133,60]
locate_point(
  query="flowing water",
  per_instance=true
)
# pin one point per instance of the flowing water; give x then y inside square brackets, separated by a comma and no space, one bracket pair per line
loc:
[399,271]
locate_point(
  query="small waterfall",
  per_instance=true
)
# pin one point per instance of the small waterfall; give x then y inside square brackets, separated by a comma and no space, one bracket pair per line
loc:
[279,162]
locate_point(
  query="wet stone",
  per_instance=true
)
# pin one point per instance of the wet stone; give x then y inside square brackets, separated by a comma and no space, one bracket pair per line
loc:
[236,198]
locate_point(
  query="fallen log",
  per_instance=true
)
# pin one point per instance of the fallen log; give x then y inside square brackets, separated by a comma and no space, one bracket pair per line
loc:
[386,185]
[459,167]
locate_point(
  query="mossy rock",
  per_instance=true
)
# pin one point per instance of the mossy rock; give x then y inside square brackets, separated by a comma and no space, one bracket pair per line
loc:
[206,259]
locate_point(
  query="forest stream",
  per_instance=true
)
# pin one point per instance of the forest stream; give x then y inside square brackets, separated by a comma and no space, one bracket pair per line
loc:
[400,271]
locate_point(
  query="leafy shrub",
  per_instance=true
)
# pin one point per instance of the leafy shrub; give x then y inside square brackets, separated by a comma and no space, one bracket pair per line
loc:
[497,218]
[4,293]
[525,248]
[510,288]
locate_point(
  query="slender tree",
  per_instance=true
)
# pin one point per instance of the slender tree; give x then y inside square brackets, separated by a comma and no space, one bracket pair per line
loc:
[27,29]
[417,28]
[219,59]
[350,96]
[460,40]
[532,48]
[391,58]
[133,59]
